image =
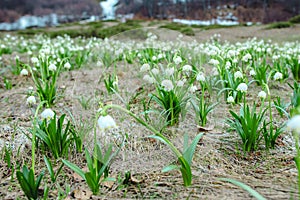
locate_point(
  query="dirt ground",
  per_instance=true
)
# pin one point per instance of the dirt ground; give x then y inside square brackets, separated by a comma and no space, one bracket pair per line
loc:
[273,174]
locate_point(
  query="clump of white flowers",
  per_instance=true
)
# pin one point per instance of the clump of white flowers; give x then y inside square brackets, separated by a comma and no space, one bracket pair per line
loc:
[148,79]
[167,85]
[177,60]
[294,124]
[155,71]
[247,57]
[278,76]
[34,60]
[145,67]
[24,72]
[67,65]
[106,122]
[47,114]
[252,72]
[230,99]
[170,71]
[52,67]
[238,74]
[187,68]
[214,62]
[180,83]
[262,94]
[200,77]
[31,100]
[242,87]
[193,88]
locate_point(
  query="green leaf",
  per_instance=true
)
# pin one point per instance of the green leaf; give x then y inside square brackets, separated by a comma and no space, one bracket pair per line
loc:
[170,168]
[188,154]
[50,168]
[75,168]
[245,187]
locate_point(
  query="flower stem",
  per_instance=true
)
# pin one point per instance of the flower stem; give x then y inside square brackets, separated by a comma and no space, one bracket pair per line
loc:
[149,127]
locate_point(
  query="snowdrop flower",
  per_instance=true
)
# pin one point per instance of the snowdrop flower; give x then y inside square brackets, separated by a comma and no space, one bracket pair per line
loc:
[154,58]
[193,89]
[160,56]
[47,114]
[17,57]
[214,62]
[238,74]
[169,71]
[106,122]
[187,68]
[247,57]
[180,83]
[252,72]
[167,85]
[262,94]
[52,67]
[200,77]
[24,72]
[30,88]
[177,60]
[31,100]
[278,76]
[34,60]
[148,79]
[215,71]
[67,65]
[242,87]
[155,71]
[294,124]
[145,67]
[230,99]
[227,65]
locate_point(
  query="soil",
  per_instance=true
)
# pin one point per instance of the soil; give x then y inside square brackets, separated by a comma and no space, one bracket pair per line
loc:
[218,155]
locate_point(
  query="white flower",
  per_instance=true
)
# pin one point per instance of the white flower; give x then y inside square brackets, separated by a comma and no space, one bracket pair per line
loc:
[17,57]
[169,71]
[214,62]
[177,60]
[187,68]
[252,72]
[238,74]
[227,65]
[230,99]
[193,88]
[278,76]
[200,77]
[247,57]
[262,94]
[31,100]
[24,72]
[155,71]
[242,87]
[34,60]
[52,67]
[168,85]
[67,65]
[106,122]
[47,114]
[30,88]
[294,124]
[154,58]
[180,83]
[148,79]
[145,67]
